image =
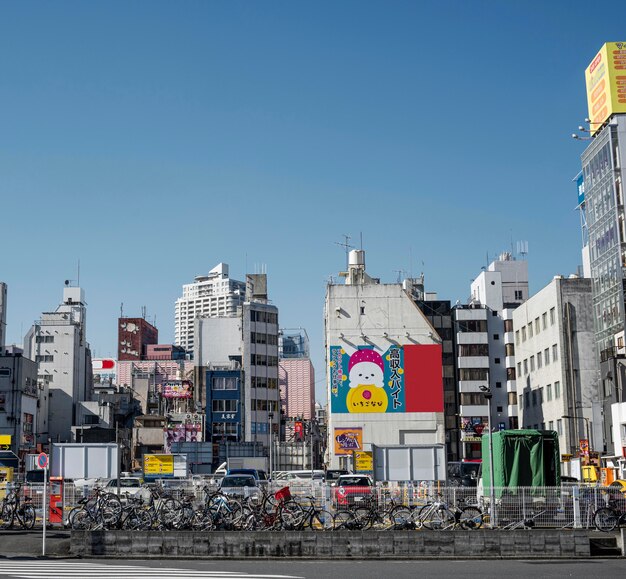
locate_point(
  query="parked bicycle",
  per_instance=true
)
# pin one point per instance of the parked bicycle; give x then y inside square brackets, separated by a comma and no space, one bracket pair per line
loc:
[14,510]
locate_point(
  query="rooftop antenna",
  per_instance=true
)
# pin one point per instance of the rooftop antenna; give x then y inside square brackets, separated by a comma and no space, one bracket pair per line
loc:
[347,247]
[143,312]
[78,275]
[361,234]
[522,248]
[399,272]
[122,310]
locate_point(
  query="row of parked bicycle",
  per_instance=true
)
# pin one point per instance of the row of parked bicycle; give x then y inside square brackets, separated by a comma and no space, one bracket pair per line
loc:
[156,509]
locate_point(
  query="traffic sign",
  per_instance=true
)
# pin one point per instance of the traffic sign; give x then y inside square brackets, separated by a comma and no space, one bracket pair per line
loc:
[42,460]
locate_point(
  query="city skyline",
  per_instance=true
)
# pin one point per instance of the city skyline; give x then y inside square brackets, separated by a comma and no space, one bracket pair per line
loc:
[151,147]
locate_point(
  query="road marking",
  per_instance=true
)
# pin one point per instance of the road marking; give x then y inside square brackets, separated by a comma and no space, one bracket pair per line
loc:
[66,570]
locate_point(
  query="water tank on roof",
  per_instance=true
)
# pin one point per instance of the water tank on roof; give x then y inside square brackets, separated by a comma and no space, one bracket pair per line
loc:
[357,257]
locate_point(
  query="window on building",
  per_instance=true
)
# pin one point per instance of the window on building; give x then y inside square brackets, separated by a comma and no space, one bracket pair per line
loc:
[225,405]
[549,392]
[530,330]
[496,336]
[509,350]
[524,334]
[525,366]
[546,356]
[473,374]
[510,374]
[532,363]
[499,409]
[519,368]
[557,390]
[473,350]
[544,320]
[517,337]
[518,295]
[27,423]
[512,396]
[496,360]
[539,395]
[44,358]
[534,397]
[472,399]
[552,316]
[551,425]
[559,427]
[91,419]
[555,353]
[539,360]
[224,383]
[44,339]
[508,325]
[498,384]
[536,326]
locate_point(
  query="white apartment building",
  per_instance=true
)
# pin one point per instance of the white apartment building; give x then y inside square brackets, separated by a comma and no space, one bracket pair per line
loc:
[213,295]
[57,342]
[558,370]
[486,351]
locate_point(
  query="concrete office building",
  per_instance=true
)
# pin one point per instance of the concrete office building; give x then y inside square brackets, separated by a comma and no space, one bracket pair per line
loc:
[246,342]
[558,370]
[212,295]
[486,351]
[3,315]
[135,335]
[384,370]
[19,408]
[58,344]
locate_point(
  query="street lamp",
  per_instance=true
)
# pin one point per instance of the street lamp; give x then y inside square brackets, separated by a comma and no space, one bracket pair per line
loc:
[271,417]
[488,395]
[586,424]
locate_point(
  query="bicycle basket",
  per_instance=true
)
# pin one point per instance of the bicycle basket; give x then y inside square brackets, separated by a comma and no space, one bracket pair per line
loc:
[283,494]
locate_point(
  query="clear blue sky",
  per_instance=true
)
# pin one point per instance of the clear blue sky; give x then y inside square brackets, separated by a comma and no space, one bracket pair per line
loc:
[152,140]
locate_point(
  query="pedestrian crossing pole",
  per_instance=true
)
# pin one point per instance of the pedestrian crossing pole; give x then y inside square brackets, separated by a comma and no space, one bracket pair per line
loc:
[42,462]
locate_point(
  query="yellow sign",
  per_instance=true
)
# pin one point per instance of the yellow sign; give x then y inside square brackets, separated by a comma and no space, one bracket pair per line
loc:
[363,461]
[5,442]
[158,464]
[566,457]
[347,440]
[606,84]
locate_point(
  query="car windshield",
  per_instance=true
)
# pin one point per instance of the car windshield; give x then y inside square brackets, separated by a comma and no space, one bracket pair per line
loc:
[354,481]
[238,481]
[125,483]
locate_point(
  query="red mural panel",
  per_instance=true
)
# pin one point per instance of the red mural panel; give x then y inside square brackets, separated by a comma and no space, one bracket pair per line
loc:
[423,380]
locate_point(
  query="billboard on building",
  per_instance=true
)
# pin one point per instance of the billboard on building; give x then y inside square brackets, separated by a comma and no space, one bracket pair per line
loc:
[175,389]
[104,372]
[402,379]
[348,440]
[606,84]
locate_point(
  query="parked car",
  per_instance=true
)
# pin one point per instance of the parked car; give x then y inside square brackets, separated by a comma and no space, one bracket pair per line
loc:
[463,474]
[260,476]
[354,489]
[130,485]
[242,485]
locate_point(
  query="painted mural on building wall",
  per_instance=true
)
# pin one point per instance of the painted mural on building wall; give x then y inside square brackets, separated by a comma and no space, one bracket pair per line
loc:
[403,379]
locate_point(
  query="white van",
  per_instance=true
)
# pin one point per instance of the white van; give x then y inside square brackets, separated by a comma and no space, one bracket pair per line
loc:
[305,475]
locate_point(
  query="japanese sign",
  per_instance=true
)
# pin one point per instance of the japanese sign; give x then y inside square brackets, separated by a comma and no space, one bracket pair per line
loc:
[347,440]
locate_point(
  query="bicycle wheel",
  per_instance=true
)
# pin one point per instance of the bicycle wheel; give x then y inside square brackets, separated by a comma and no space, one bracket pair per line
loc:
[343,520]
[471,518]
[109,516]
[170,513]
[399,517]
[363,518]
[321,520]
[435,519]
[605,519]
[27,516]
[81,521]
[6,517]
[291,515]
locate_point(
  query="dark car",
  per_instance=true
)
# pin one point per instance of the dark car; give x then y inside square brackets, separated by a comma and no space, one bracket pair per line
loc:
[242,485]
[463,474]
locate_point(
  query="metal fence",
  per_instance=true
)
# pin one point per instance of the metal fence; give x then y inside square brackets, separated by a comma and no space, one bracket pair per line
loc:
[568,506]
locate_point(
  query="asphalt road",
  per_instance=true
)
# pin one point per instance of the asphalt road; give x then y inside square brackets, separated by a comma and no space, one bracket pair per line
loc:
[172,569]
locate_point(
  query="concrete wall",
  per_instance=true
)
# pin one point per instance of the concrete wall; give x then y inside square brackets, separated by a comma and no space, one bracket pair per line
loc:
[535,543]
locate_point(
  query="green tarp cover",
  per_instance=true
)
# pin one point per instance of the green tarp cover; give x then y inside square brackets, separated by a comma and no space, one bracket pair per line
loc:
[526,458]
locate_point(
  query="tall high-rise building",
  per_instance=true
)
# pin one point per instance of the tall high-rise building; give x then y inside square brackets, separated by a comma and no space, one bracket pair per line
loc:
[601,199]
[486,351]
[209,295]
[58,343]
[134,337]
